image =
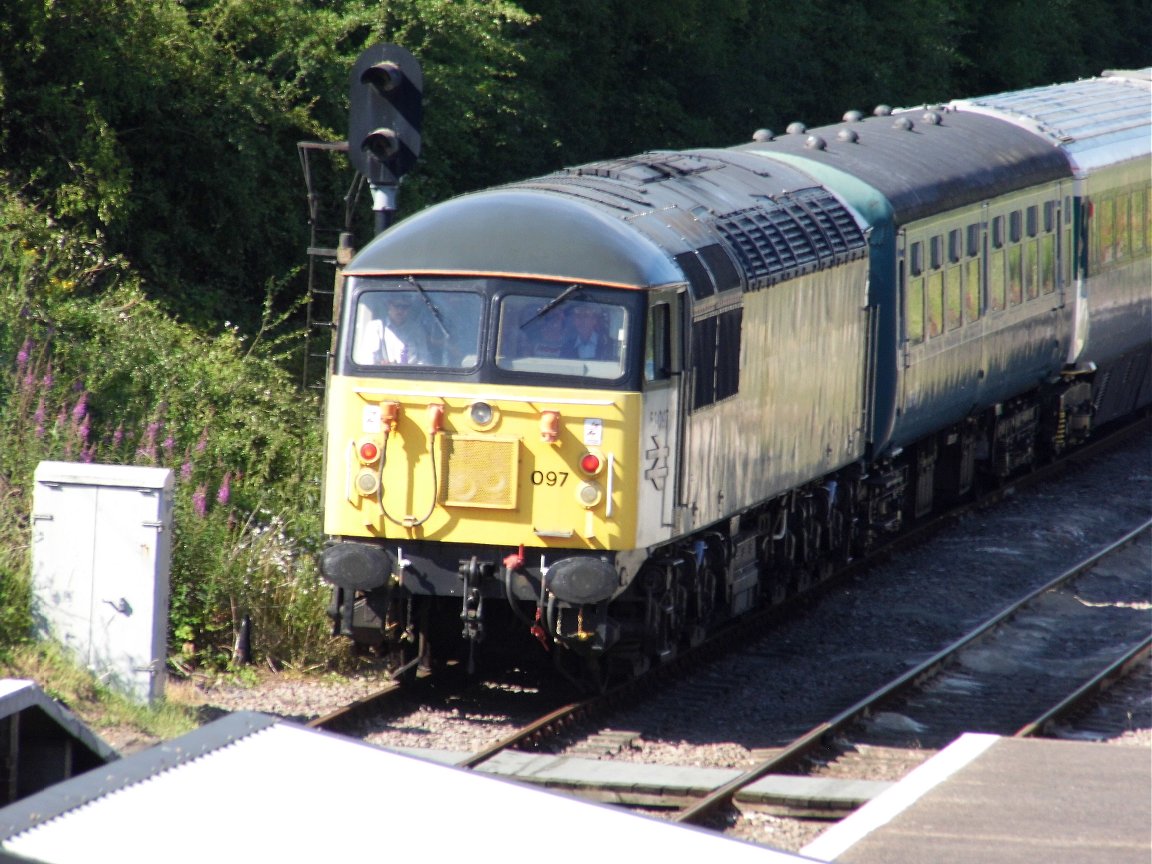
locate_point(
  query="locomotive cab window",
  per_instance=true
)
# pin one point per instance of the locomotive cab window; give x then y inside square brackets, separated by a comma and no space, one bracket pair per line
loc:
[413,326]
[576,336]
[658,343]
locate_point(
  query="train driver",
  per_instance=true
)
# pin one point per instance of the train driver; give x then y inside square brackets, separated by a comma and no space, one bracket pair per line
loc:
[588,338]
[398,338]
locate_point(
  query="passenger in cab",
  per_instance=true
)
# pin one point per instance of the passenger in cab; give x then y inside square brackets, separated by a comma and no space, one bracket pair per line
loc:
[588,337]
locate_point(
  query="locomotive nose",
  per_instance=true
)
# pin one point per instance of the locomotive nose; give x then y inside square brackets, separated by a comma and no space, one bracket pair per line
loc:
[356,566]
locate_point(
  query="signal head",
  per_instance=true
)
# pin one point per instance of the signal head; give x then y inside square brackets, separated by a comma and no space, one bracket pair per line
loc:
[382,143]
[385,76]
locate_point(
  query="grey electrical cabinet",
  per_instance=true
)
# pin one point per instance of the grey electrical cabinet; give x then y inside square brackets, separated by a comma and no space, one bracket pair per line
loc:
[101,547]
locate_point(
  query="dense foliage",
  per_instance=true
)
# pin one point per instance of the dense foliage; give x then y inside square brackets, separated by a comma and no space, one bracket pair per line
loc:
[98,373]
[149,175]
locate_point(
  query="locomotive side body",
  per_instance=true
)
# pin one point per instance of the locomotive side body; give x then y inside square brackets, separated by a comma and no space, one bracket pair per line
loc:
[799,410]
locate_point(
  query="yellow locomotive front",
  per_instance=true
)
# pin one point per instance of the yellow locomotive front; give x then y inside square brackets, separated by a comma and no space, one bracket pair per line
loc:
[481,437]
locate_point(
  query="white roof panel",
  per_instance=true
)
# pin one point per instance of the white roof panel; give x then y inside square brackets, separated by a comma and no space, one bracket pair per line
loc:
[1096,121]
[250,784]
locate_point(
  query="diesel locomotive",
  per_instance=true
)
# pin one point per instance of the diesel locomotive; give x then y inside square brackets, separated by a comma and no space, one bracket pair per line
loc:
[594,414]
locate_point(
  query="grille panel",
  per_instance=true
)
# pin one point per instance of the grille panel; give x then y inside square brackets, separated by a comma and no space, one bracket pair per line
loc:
[479,471]
[791,235]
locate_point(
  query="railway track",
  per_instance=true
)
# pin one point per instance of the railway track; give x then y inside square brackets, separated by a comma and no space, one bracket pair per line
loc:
[1009,675]
[1082,631]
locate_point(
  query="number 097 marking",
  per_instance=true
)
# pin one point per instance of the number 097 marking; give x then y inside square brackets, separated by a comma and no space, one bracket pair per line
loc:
[549,478]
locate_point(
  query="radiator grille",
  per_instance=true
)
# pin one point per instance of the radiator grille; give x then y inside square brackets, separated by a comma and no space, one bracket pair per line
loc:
[479,472]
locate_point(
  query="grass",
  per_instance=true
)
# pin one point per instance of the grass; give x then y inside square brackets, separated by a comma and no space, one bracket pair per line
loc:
[99,707]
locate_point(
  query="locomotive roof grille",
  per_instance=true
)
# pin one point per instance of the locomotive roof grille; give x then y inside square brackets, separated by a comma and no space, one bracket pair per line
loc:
[796,234]
[604,193]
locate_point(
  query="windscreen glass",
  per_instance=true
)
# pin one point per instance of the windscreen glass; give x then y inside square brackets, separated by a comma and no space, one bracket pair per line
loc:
[415,326]
[562,335]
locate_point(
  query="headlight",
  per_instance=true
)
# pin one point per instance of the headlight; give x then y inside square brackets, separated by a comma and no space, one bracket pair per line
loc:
[483,415]
[589,494]
[367,483]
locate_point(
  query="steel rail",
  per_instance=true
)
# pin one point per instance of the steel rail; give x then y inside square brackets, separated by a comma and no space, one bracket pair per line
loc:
[1097,685]
[346,714]
[527,732]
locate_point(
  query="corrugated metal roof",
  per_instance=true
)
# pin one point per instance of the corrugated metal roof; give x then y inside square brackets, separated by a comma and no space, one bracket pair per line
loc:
[251,785]
[1097,121]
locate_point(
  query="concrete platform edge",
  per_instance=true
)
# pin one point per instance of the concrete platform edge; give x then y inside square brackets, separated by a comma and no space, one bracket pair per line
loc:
[887,805]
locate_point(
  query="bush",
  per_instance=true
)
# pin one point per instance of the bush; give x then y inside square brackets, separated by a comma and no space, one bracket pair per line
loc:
[92,371]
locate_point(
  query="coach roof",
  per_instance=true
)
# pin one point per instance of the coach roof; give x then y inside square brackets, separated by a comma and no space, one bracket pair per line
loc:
[927,161]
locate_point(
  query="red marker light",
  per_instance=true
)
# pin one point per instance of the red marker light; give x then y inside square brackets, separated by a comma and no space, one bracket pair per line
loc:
[369,452]
[590,463]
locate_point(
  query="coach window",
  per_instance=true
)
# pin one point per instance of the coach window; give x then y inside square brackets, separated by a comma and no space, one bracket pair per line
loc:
[953,282]
[1105,246]
[996,283]
[914,317]
[1147,194]
[1048,263]
[1031,253]
[972,273]
[1048,248]
[1139,222]
[1015,260]
[935,287]
[1123,227]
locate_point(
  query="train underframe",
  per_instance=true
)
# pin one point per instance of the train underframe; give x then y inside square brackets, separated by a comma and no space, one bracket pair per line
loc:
[440,603]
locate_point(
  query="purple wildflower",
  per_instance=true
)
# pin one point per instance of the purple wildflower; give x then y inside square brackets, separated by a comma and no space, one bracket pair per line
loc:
[80,410]
[200,501]
[225,489]
[148,448]
[23,354]
[186,470]
[202,444]
[47,381]
[118,435]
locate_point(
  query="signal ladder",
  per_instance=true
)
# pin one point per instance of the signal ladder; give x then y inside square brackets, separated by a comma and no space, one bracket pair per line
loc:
[329,249]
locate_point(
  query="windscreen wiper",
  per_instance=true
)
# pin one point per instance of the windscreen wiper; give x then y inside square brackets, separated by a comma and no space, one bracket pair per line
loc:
[553,303]
[431,307]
